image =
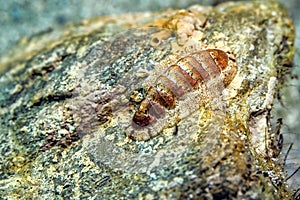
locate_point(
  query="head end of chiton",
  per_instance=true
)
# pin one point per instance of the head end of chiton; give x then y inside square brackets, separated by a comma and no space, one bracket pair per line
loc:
[141,120]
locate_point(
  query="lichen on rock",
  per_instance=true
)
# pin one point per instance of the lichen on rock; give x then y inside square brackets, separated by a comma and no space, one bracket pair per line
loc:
[67,103]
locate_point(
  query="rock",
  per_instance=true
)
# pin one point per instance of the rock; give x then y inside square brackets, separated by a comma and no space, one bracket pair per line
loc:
[69,98]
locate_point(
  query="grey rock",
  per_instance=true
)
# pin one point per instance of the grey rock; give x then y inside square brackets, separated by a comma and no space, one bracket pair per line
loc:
[68,97]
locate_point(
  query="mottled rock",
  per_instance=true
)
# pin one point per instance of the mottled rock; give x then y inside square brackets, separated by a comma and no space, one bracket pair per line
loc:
[68,98]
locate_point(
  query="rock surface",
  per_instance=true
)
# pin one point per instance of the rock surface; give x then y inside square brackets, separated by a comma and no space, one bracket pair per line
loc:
[66,96]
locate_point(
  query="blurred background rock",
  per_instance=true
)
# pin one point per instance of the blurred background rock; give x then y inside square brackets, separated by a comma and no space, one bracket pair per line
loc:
[19,18]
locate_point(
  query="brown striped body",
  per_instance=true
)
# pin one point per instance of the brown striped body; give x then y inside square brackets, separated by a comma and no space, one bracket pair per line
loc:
[187,74]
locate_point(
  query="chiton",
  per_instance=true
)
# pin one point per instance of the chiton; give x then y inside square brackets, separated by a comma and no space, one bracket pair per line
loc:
[182,86]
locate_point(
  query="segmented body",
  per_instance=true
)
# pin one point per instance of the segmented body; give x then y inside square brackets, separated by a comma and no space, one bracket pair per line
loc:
[189,74]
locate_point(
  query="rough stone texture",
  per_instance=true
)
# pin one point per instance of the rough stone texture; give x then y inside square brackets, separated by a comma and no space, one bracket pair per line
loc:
[64,96]
[21,18]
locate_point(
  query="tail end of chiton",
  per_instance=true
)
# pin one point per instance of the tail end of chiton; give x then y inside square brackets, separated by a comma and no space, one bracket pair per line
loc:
[220,57]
